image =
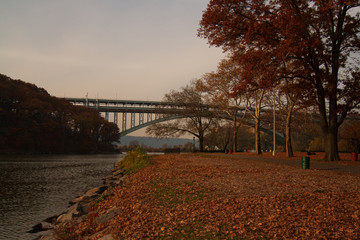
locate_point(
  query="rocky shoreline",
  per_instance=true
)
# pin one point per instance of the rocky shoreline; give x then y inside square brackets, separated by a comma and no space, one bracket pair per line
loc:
[79,207]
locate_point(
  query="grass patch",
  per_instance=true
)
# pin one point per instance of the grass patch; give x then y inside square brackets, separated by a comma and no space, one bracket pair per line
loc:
[196,231]
[166,195]
[171,194]
[134,161]
[100,199]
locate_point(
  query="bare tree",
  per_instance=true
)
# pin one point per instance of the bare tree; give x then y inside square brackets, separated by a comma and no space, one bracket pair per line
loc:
[195,117]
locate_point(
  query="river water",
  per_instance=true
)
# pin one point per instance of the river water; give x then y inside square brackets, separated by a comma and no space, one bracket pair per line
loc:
[33,188]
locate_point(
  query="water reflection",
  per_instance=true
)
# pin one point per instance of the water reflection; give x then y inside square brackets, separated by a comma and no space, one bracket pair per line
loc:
[36,187]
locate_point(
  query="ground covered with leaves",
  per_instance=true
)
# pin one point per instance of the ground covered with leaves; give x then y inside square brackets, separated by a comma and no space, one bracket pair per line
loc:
[223,197]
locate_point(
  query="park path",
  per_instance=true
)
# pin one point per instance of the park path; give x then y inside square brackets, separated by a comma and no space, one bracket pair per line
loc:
[340,167]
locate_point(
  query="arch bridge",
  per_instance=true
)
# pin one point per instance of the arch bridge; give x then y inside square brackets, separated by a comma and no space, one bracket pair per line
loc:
[130,115]
[140,113]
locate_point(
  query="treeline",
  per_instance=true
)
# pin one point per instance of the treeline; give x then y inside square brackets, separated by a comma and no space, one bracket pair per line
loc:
[244,121]
[297,54]
[32,121]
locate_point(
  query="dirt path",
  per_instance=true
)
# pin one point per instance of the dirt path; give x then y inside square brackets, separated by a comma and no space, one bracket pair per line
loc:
[227,197]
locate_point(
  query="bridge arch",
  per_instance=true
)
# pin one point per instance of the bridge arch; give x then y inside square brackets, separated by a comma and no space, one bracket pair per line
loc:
[146,124]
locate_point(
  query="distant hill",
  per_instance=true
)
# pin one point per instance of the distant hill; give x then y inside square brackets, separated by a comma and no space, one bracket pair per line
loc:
[154,142]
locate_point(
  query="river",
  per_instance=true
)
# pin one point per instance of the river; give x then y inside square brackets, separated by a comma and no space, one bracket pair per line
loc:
[33,188]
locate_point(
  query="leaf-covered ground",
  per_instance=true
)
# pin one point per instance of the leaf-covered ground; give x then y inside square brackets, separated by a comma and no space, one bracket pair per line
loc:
[224,197]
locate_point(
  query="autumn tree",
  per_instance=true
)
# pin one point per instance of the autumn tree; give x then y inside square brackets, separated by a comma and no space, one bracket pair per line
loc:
[195,117]
[287,102]
[319,37]
[219,88]
[254,87]
[235,102]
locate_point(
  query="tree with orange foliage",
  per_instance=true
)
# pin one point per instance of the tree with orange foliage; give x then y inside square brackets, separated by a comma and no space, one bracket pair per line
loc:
[320,38]
[219,87]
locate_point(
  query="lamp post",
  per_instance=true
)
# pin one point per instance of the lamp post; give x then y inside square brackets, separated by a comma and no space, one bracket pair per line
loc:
[274,128]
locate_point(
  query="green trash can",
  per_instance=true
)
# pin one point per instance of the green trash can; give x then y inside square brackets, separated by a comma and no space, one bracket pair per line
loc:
[305,162]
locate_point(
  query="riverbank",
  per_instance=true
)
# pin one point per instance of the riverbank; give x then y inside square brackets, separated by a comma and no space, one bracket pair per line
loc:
[214,196]
[81,206]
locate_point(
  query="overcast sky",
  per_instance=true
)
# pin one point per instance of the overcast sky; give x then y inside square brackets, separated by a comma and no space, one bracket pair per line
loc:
[124,49]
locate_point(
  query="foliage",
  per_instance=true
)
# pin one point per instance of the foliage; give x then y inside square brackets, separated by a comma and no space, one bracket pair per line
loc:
[194,117]
[316,145]
[33,121]
[350,136]
[315,42]
[134,161]
[219,138]
[219,88]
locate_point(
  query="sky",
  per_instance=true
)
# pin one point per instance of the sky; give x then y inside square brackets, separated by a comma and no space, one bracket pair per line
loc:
[114,49]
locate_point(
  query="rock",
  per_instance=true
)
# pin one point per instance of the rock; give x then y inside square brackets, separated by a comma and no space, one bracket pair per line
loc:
[107,237]
[113,181]
[118,172]
[49,236]
[80,206]
[94,236]
[90,195]
[74,211]
[66,217]
[43,226]
[110,214]
[95,191]
[46,226]
[76,200]
[84,199]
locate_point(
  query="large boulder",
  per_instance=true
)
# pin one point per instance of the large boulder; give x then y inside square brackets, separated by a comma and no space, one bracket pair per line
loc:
[73,212]
[107,237]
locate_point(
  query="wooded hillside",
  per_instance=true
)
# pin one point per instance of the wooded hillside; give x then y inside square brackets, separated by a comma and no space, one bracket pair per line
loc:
[32,121]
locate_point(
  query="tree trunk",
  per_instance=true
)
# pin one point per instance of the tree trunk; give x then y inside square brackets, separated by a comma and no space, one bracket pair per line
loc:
[331,144]
[201,142]
[329,128]
[288,145]
[257,137]
[235,134]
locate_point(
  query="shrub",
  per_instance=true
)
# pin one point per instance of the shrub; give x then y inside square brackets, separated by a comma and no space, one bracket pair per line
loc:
[134,161]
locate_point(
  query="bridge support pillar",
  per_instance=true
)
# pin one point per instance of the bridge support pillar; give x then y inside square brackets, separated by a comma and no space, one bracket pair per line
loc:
[149,117]
[124,122]
[116,118]
[132,120]
[141,118]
